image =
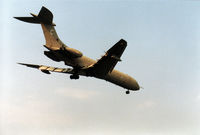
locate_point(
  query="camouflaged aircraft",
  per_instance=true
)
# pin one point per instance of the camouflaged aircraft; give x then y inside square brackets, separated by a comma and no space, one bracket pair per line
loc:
[81,65]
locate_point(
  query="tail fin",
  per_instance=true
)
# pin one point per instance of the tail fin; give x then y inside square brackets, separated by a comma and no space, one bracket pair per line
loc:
[45,18]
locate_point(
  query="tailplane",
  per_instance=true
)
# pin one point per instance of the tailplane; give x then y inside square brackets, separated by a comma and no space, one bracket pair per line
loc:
[45,17]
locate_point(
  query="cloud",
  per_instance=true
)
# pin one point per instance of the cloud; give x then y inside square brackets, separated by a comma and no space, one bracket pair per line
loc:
[146,105]
[76,93]
[197,98]
[32,116]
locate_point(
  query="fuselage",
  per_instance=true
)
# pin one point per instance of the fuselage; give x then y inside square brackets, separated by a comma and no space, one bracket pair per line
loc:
[116,77]
[75,58]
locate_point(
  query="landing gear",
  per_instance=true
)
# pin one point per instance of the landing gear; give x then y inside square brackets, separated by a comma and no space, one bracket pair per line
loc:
[74,76]
[127,92]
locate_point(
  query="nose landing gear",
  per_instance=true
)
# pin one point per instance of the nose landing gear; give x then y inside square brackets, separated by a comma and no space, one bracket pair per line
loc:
[127,92]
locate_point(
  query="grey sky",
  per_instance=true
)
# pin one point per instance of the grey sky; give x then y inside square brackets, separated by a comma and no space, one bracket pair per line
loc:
[163,54]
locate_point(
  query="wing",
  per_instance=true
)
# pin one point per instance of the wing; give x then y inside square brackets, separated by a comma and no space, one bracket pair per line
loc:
[107,63]
[46,69]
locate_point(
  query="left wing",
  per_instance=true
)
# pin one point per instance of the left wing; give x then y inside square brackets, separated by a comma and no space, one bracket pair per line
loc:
[107,63]
[46,69]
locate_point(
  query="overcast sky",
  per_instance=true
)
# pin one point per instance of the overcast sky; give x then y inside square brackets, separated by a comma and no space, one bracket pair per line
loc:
[163,55]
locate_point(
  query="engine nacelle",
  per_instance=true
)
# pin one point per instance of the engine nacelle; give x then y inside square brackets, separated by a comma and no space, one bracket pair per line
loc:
[51,55]
[73,52]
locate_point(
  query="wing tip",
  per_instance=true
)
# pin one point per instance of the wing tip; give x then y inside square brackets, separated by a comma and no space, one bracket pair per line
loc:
[21,63]
[29,65]
[122,40]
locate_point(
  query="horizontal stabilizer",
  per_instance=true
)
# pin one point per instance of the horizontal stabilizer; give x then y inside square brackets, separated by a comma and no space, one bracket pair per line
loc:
[28,19]
[45,17]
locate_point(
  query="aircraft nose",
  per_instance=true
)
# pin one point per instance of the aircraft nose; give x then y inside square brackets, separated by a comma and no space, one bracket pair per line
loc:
[135,85]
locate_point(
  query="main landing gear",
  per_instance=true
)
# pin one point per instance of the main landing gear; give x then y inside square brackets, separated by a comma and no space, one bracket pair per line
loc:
[74,76]
[127,92]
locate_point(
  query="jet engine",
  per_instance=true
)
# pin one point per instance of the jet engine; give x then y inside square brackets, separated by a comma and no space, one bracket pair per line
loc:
[51,55]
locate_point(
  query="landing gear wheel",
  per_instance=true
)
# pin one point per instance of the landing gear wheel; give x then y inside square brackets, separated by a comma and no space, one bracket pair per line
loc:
[127,92]
[71,77]
[74,76]
[77,77]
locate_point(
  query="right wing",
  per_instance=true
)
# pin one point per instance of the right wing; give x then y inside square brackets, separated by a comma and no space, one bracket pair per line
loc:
[107,63]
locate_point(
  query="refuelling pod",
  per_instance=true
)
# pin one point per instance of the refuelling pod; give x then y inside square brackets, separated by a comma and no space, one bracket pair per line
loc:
[46,71]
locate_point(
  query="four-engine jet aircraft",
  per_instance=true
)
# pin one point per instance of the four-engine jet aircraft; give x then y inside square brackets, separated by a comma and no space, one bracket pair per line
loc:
[82,65]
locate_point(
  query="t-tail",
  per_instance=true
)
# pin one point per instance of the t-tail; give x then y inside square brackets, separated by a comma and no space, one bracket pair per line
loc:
[57,50]
[45,18]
